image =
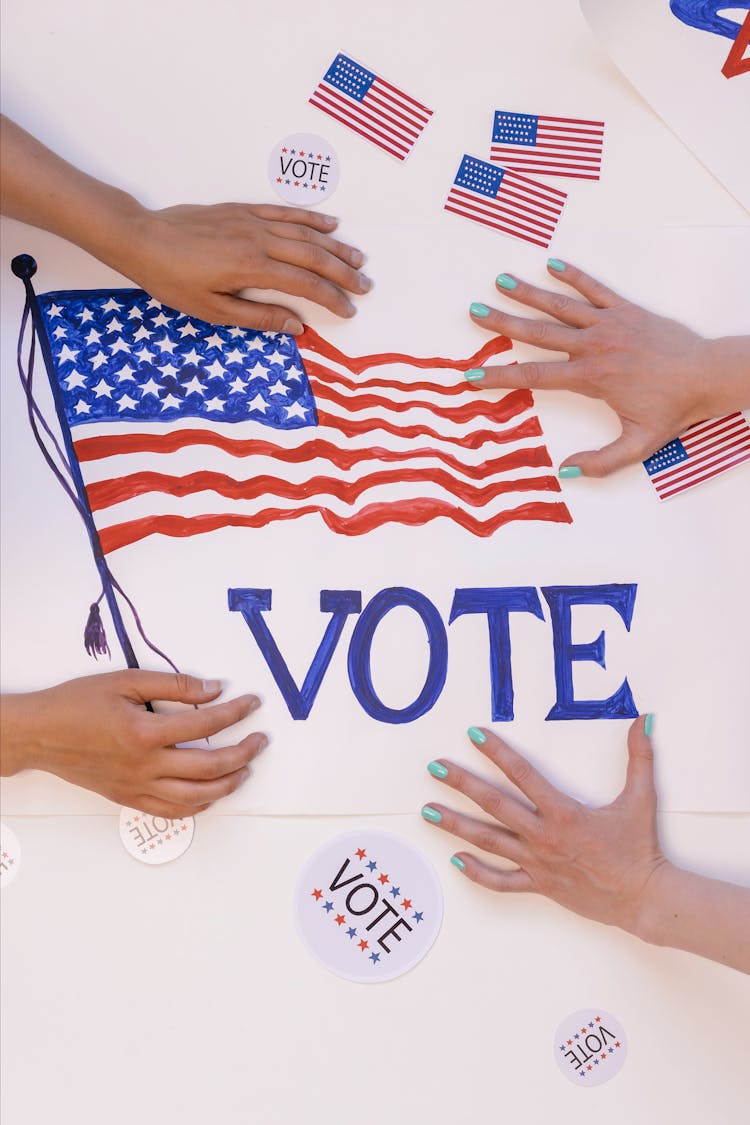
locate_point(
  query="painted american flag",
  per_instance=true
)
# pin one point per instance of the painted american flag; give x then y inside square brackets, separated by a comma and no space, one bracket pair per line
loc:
[506,201]
[372,107]
[702,452]
[180,427]
[548,146]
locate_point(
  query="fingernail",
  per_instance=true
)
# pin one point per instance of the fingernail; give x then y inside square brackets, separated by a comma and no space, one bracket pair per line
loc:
[358,258]
[350,309]
[293,327]
[459,863]
[254,702]
[331,220]
[568,472]
[506,282]
[211,685]
[262,743]
[437,769]
[474,375]
[431,814]
[649,725]
[478,310]
[365,283]
[477,736]
[556,264]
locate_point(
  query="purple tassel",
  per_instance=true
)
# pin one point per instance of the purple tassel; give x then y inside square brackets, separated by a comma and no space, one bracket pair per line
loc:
[94,637]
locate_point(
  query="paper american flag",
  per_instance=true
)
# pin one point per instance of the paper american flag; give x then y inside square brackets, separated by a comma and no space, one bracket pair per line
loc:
[180,427]
[548,146]
[372,107]
[702,452]
[505,201]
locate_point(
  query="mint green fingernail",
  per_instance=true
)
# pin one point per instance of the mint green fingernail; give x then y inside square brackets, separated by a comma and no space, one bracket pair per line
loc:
[431,814]
[474,375]
[505,282]
[459,863]
[437,769]
[479,310]
[477,736]
[556,264]
[649,725]
[568,472]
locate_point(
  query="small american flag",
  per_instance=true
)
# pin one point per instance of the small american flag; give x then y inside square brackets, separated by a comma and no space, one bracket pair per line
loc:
[548,146]
[505,201]
[180,427]
[371,106]
[702,452]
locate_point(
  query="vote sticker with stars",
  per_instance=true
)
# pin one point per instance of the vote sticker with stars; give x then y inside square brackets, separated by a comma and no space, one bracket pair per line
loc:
[304,169]
[10,855]
[368,906]
[155,839]
[590,1047]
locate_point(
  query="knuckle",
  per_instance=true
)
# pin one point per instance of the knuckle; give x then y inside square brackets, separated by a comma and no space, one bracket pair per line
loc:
[486,840]
[560,304]
[532,375]
[539,331]
[495,805]
[519,771]
[184,684]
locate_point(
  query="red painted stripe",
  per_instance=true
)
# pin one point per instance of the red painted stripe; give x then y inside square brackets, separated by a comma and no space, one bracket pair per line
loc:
[408,512]
[327,375]
[312,342]
[351,426]
[468,412]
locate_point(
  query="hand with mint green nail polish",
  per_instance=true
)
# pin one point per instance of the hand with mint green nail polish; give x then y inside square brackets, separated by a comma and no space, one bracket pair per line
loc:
[603,863]
[657,375]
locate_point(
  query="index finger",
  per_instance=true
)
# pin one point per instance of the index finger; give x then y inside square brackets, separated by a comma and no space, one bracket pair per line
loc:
[515,767]
[190,726]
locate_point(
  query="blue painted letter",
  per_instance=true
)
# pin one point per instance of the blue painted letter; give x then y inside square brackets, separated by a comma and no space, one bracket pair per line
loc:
[360,671]
[621,596]
[252,603]
[498,603]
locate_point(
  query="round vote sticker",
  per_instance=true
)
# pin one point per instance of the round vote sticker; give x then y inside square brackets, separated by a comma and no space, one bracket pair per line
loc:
[368,906]
[155,839]
[304,169]
[590,1047]
[10,855]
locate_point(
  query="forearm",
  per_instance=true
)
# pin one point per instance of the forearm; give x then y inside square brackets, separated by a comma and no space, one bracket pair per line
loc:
[726,374]
[40,188]
[704,916]
[17,733]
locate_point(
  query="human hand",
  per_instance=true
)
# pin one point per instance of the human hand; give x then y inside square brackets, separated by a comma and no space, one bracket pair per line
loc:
[96,732]
[596,862]
[657,375]
[197,258]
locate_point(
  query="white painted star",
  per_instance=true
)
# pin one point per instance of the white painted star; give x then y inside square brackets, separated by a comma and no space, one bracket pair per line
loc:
[125,372]
[235,332]
[216,370]
[150,388]
[169,369]
[154,304]
[126,403]
[75,379]
[166,344]
[55,310]
[296,410]
[235,356]
[188,329]
[111,305]
[270,335]
[82,407]
[141,333]
[103,388]
[67,353]
[98,360]
[283,339]
[258,403]
[294,372]
[170,400]
[135,314]
[192,356]
[276,356]
[214,341]
[160,320]
[278,388]
[86,315]
[119,345]
[60,332]
[215,404]
[255,345]
[93,337]
[259,370]
[145,355]
[237,386]
[195,385]
[114,325]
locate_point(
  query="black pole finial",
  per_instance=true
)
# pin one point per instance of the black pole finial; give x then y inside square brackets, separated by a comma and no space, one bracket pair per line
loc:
[23,266]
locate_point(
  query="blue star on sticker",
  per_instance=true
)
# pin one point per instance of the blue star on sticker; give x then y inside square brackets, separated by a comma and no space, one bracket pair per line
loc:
[395,891]
[351,932]
[563,1047]
[596,1062]
[328,906]
[287,181]
[611,1050]
[576,1036]
[372,865]
[591,1025]
[418,915]
[374,957]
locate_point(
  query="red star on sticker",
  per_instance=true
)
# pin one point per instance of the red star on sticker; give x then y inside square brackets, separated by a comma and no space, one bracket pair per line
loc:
[583,1031]
[589,1067]
[296,183]
[285,150]
[184,828]
[168,837]
[598,1019]
[604,1055]
[617,1044]
[340,919]
[406,904]
[136,819]
[363,945]
[570,1041]
[361,853]
[383,879]
[316,894]
[301,152]
[315,187]
[152,846]
[320,156]
[278,179]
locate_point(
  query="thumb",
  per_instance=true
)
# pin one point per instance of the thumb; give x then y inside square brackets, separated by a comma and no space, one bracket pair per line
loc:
[640,772]
[628,448]
[143,687]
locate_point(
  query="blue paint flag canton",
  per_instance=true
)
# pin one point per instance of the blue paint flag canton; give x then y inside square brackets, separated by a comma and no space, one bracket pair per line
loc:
[515,128]
[479,176]
[670,454]
[120,355]
[349,77]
